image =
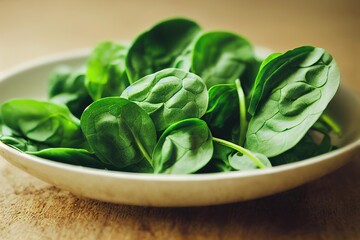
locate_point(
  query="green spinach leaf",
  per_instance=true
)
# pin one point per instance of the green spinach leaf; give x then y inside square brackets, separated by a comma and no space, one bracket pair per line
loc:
[68,88]
[73,156]
[291,92]
[257,159]
[160,47]
[221,57]
[119,132]
[184,147]
[106,73]
[21,144]
[242,162]
[43,122]
[304,149]
[222,114]
[169,96]
[219,161]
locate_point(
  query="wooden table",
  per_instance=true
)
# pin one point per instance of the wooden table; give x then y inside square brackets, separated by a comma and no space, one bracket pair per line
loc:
[328,208]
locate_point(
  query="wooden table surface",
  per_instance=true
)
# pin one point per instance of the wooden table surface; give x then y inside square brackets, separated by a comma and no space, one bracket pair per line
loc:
[328,208]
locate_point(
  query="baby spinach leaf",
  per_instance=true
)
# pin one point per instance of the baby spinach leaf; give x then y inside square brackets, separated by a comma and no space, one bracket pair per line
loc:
[243,162]
[119,132]
[219,161]
[68,88]
[43,122]
[249,76]
[305,148]
[222,114]
[57,80]
[221,57]
[160,47]
[106,74]
[184,147]
[75,156]
[169,96]
[291,92]
[257,159]
[21,144]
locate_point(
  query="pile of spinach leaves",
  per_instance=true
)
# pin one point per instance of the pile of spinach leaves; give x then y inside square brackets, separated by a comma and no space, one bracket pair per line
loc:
[180,100]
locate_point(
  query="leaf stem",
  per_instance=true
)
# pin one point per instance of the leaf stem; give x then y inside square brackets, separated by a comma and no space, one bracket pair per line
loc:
[241,150]
[242,110]
[143,151]
[330,121]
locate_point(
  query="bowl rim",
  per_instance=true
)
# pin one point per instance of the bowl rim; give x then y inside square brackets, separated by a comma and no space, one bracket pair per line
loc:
[82,53]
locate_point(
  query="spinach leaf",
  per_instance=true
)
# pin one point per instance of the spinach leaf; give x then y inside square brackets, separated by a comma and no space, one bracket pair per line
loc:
[249,76]
[219,161]
[290,93]
[43,122]
[184,147]
[68,88]
[169,96]
[258,159]
[221,57]
[57,80]
[80,157]
[160,47]
[305,148]
[106,74]
[243,162]
[119,132]
[21,144]
[222,114]
[184,60]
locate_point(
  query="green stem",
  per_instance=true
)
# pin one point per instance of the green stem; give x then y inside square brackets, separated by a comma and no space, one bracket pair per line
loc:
[143,151]
[241,150]
[242,109]
[333,125]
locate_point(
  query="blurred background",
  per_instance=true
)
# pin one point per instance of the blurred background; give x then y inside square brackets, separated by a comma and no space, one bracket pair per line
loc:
[36,28]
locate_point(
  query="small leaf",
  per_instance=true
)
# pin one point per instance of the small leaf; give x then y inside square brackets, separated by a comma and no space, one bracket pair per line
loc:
[106,75]
[184,147]
[243,162]
[43,122]
[67,87]
[221,57]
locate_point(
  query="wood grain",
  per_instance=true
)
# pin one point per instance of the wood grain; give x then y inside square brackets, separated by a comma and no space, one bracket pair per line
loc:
[325,209]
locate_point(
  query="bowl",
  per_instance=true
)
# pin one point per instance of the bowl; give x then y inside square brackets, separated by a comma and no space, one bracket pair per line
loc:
[30,81]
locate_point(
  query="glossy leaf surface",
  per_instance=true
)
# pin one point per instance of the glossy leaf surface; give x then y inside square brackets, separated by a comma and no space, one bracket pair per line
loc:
[119,132]
[169,96]
[184,147]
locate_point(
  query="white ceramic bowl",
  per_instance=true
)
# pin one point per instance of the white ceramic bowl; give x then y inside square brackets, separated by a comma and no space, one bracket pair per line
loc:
[30,81]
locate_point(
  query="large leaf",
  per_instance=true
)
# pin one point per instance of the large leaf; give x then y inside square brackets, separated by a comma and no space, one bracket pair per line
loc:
[291,92]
